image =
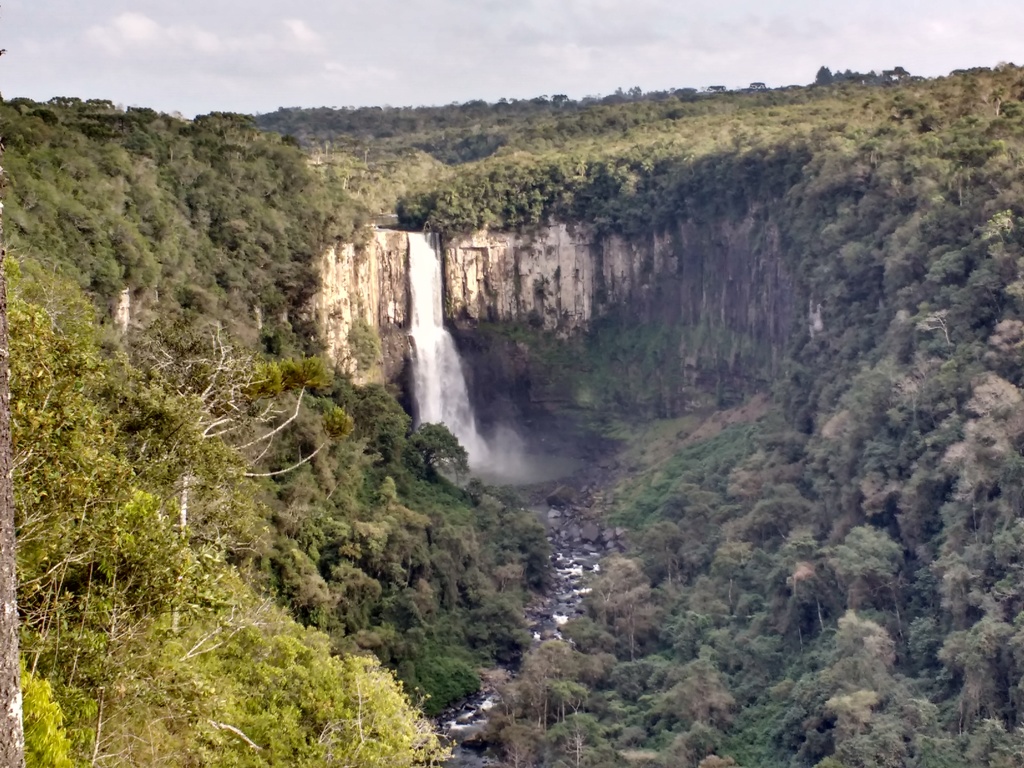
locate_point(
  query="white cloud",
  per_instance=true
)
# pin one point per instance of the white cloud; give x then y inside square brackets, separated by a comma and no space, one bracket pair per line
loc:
[198,40]
[135,35]
[136,28]
[200,55]
[301,32]
[141,37]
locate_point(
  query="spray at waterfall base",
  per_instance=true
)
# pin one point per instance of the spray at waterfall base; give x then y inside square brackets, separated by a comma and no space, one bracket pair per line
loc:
[439,385]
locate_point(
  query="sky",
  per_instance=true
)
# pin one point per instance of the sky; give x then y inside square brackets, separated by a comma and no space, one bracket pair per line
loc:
[198,56]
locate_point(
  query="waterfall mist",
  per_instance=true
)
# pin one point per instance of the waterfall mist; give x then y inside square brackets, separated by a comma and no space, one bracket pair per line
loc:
[439,386]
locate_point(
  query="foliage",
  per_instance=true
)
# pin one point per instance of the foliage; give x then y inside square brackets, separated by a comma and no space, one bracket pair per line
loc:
[110,450]
[296,703]
[438,450]
[462,133]
[139,525]
[831,579]
[46,744]
[208,218]
[445,679]
[836,581]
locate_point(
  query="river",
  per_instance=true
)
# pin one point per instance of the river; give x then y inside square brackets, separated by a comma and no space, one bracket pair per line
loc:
[577,538]
[574,560]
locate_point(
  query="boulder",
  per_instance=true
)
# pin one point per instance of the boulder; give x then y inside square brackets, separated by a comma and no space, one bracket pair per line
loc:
[562,497]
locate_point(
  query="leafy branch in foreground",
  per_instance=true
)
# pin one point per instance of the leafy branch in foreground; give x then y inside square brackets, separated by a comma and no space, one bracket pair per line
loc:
[154,648]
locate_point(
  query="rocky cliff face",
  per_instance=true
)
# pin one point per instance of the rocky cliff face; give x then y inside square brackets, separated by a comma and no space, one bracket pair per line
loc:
[685,317]
[500,277]
[362,305]
[727,275]
[711,304]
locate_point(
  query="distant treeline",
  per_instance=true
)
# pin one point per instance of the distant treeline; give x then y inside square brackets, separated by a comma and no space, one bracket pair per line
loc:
[463,132]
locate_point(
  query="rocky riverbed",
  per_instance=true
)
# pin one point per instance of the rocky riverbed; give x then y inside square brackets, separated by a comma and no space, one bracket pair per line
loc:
[578,542]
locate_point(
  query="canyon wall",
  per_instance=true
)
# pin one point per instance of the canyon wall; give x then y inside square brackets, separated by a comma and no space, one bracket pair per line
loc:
[729,274]
[546,277]
[363,303]
[706,304]
[689,317]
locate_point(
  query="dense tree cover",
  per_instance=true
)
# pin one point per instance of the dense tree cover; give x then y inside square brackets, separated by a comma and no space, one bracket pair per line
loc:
[638,167]
[142,644]
[208,217]
[12,731]
[838,583]
[139,530]
[464,132]
[186,491]
[453,134]
[814,171]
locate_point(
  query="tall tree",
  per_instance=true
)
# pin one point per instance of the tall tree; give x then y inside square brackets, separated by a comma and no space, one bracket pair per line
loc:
[12,735]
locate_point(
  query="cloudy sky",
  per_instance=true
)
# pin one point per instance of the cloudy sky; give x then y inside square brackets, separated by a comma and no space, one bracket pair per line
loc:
[196,56]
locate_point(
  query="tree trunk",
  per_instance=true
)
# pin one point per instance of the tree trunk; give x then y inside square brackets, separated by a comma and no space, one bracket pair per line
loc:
[12,736]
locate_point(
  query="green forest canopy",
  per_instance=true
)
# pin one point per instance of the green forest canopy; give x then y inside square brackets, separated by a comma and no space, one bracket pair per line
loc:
[836,584]
[156,507]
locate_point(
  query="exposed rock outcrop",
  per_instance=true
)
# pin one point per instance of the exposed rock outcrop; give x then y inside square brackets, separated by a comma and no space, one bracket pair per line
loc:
[722,285]
[700,310]
[727,274]
[362,305]
[123,310]
[547,277]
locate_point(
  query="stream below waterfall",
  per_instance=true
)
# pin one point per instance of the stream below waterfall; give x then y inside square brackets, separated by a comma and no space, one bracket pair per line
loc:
[574,560]
[577,538]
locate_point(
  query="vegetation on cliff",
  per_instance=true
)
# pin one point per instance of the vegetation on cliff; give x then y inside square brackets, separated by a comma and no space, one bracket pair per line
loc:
[836,582]
[227,555]
[664,161]
[142,641]
[206,218]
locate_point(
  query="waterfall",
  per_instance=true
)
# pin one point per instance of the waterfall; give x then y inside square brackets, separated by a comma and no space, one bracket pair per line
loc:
[439,387]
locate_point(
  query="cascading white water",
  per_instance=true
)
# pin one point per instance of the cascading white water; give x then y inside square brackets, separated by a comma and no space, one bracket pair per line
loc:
[439,387]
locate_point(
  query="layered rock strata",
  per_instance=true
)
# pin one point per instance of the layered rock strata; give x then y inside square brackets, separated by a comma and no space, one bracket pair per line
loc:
[728,274]
[723,283]
[364,293]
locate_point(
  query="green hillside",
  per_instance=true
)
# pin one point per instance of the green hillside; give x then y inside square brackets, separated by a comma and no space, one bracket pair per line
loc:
[836,583]
[828,574]
[221,541]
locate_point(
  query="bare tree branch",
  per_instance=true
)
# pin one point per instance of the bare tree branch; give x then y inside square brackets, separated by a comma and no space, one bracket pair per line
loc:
[237,732]
[286,470]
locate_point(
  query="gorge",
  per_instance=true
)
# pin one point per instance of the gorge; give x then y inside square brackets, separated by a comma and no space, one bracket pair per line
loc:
[780,333]
[554,281]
